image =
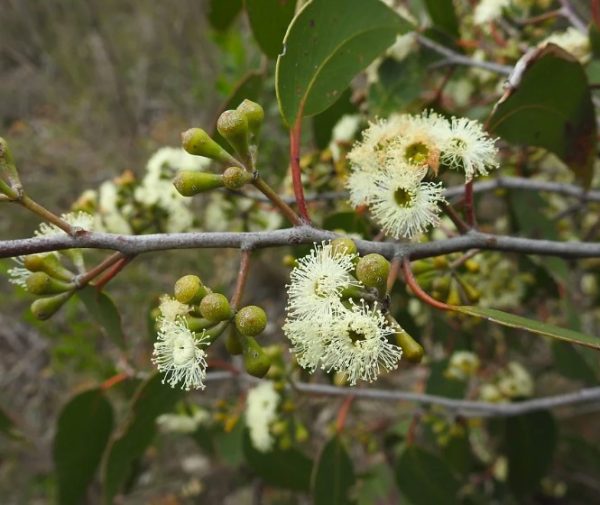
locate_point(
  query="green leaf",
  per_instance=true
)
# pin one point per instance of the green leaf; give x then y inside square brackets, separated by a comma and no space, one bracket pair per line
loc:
[570,362]
[334,475]
[399,84]
[104,311]
[287,468]
[548,104]
[326,45]
[324,122]
[443,16]
[221,13]
[152,399]
[230,445]
[82,432]
[269,20]
[375,486]
[530,442]
[513,321]
[425,478]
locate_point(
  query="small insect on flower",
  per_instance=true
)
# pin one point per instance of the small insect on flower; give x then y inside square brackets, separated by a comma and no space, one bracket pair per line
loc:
[404,207]
[468,147]
[318,281]
[178,354]
[359,345]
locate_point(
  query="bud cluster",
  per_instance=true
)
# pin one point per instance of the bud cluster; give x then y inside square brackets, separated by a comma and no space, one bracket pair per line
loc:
[192,319]
[240,127]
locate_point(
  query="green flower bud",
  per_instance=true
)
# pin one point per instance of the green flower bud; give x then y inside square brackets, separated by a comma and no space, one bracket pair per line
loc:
[256,361]
[411,350]
[44,308]
[214,306]
[440,287]
[251,320]
[49,264]
[343,246]
[236,177]
[453,294]
[191,182]
[301,433]
[254,114]
[472,266]
[289,261]
[40,283]
[473,294]
[10,184]
[196,141]
[189,289]
[233,343]
[372,270]
[421,266]
[233,126]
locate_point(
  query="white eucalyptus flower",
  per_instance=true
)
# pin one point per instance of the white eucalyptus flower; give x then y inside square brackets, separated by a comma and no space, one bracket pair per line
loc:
[403,207]
[359,346]
[178,354]
[318,281]
[261,411]
[171,308]
[468,147]
[309,338]
[489,10]
[573,41]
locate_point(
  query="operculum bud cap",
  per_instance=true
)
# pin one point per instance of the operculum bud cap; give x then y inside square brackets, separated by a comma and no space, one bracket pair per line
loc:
[236,177]
[44,308]
[40,283]
[214,306]
[251,320]
[191,182]
[197,142]
[254,114]
[189,289]
[372,270]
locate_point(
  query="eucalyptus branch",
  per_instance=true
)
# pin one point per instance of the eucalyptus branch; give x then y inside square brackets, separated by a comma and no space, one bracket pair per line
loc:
[276,200]
[45,214]
[465,408]
[569,13]
[455,58]
[295,134]
[138,244]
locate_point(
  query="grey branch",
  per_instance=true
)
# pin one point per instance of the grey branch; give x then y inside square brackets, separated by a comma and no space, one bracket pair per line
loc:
[137,244]
[454,58]
[465,408]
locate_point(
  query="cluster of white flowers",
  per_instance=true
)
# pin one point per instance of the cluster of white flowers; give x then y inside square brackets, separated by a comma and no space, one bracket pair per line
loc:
[118,203]
[330,333]
[261,412]
[510,383]
[395,156]
[489,10]
[179,355]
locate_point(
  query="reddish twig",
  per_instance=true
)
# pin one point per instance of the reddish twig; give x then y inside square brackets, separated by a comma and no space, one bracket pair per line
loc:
[94,272]
[222,365]
[343,413]
[416,289]
[393,275]
[412,430]
[241,279]
[295,133]
[114,380]
[461,226]
[112,272]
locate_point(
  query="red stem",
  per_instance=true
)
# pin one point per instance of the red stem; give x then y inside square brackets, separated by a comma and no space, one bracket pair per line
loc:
[112,273]
[241,279]
[114,380]
[343,413]
[416,289]
[295,165]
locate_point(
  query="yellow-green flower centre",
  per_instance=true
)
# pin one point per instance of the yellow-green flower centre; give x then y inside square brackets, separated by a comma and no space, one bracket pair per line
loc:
[417,153]
[403,197]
